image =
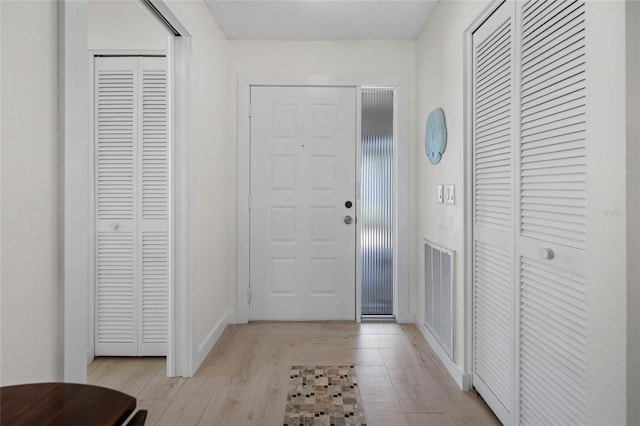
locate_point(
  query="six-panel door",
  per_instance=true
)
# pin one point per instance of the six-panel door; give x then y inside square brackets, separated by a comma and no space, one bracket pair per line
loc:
[302,174]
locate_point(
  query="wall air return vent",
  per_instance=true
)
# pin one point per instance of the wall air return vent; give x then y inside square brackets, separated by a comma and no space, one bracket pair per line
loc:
[438,301]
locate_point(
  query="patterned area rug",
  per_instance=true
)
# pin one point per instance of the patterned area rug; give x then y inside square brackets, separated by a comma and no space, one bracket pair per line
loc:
[323,396]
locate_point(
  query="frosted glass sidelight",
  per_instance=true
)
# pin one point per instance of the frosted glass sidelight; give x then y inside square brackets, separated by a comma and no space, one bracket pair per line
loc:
[377,202]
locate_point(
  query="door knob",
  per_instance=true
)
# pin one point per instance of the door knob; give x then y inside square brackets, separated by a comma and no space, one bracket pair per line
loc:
[114,226]
[545,253]
[348,220]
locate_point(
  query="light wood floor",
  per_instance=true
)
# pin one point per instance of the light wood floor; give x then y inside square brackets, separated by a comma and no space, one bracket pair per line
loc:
[243,380]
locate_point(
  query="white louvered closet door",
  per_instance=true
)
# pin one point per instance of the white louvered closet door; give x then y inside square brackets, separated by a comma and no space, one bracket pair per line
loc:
[493,188]
[540,203]
[132,206]
[551,211]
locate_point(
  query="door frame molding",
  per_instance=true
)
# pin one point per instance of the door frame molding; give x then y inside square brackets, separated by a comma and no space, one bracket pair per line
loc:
[76,181]
[400,87]
[468,189]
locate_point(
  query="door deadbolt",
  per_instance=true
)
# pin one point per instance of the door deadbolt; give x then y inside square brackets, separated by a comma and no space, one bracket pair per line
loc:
[348,204]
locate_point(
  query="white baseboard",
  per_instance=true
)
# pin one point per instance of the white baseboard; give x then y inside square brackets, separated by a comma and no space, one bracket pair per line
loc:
[462,379]
[406,317]
[90,356]
[205,347]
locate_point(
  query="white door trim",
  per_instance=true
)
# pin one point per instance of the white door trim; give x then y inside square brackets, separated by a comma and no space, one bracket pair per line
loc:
[76,223]
[468,194]
[401,160]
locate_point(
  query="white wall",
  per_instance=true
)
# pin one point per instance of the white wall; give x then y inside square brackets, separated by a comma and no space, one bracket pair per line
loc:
[633,211]
[122,25]
[31,335]
[299,58]
[440,76]
[440,83]
[336,58]
[214,196]
[606,233]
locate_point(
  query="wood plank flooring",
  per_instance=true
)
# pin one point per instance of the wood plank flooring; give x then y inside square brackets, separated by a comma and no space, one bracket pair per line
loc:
[243,380]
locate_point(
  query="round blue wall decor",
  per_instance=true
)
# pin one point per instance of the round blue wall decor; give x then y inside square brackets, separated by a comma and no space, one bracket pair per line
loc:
[435,138]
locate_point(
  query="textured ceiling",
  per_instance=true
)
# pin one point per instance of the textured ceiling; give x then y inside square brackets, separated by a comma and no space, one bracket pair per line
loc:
[321,19]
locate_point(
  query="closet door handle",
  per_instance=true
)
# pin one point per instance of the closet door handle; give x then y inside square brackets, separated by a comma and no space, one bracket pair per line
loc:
[114,226]
[545,253]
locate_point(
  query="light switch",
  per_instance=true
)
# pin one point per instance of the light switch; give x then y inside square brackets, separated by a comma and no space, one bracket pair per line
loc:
[440,193]
[449,194]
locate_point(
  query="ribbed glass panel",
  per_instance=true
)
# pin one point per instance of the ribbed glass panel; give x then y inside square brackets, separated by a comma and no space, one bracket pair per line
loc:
[377,202]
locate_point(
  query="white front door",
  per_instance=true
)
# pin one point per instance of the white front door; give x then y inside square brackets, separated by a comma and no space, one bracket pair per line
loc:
[302,182]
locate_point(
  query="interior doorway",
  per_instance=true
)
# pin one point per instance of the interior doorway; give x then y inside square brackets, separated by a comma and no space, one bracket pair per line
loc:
[76,110]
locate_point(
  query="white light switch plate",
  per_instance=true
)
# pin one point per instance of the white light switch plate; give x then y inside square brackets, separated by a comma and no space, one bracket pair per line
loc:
[440,193]
[449,194]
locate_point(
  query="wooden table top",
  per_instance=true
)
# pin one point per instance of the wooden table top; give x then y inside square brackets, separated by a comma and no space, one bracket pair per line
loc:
[63,404]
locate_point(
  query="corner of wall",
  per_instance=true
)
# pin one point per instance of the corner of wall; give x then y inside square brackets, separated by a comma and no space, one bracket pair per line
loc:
[212,337]
[462,379]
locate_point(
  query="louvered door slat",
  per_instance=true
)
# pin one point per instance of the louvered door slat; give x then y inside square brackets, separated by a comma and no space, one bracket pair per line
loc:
[493,101]
[554,21]
[553,343]
[551,79]
[537,10]
[115,134]
[493,131]
[545,146]
[493,305]
[115,310]
[154,293]
[154,138]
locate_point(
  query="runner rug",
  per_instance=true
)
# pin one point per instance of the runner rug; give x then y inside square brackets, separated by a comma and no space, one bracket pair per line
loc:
[323,396]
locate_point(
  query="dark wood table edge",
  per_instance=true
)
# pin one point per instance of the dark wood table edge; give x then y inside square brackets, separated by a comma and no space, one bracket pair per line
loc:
[17,404]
